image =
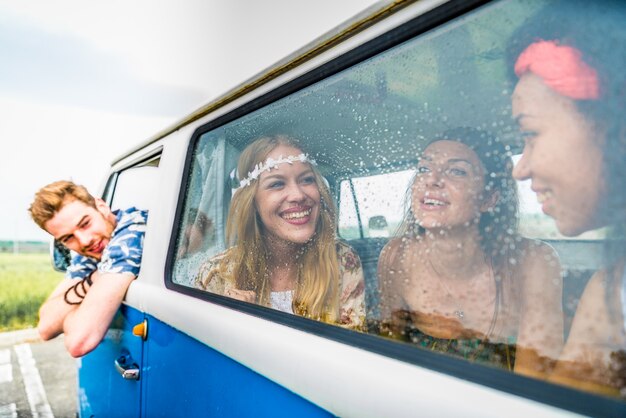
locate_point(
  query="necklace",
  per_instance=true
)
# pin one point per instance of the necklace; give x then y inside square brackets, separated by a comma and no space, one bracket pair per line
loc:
[458,311]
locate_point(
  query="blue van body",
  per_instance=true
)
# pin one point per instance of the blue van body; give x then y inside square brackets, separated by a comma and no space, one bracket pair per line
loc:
[179,377]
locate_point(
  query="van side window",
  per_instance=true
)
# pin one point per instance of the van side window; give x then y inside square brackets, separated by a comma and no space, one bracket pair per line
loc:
[202,231]
[136,186]
[418,145]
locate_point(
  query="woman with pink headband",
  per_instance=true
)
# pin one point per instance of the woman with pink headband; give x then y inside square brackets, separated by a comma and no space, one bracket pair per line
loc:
[569,103]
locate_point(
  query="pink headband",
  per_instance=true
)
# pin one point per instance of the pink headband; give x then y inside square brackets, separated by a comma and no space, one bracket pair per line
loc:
[562,69]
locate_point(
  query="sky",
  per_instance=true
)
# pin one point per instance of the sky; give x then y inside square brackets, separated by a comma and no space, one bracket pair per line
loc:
[83,81]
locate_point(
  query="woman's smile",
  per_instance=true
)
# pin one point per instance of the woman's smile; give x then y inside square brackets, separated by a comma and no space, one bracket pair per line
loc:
[298,215]
[431,202]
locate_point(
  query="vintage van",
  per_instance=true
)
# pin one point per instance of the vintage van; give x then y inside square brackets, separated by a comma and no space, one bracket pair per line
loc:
[363,100]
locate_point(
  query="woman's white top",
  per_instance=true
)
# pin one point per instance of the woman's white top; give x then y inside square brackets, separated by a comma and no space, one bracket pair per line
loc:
[282,300]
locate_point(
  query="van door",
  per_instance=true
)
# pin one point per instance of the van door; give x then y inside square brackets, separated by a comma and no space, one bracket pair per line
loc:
[114,369]
[110,377]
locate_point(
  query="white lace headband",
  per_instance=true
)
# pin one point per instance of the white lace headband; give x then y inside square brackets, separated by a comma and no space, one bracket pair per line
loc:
[272,163]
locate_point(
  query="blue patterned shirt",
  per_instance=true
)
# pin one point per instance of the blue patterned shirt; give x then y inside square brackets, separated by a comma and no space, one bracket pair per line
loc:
[123,252]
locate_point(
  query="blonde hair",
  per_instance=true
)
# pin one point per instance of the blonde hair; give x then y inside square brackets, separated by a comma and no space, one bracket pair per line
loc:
[51,198]
[317,286]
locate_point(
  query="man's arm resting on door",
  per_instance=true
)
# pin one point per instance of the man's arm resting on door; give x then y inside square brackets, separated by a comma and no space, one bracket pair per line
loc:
[86,323]
[54,310]
[85,326]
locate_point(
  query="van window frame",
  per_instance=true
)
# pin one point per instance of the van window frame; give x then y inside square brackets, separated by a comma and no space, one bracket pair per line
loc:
[143,161]
[532,389]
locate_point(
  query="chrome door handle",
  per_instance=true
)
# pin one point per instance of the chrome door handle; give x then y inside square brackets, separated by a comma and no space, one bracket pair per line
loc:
[128,371]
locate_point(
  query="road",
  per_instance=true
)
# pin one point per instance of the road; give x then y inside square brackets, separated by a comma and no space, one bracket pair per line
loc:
[36,378]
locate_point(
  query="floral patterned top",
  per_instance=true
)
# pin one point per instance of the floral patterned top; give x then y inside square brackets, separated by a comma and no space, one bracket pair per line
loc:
[351,286]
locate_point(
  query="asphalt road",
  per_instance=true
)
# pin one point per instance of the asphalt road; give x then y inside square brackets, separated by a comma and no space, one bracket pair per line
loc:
[36,378]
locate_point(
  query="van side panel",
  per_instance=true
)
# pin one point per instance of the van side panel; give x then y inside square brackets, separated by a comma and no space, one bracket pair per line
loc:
[102,390]
[213,384]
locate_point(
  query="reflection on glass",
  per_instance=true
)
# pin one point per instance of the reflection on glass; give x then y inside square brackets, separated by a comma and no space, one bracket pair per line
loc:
[458,278]
[569,104]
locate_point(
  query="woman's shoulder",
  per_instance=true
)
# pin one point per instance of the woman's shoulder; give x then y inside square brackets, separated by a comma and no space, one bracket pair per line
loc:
[396,250]
[532,253]
[534,245]
[218,258]
[212,266]
[343,246]
[352,286]
[537,264]
[394,244]
[402,243]
[347,256]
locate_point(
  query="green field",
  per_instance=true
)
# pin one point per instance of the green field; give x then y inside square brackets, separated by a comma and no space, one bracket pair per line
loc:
[25,281]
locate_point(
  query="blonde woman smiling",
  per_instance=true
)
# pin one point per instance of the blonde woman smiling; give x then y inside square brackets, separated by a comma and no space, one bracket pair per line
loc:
[285,256]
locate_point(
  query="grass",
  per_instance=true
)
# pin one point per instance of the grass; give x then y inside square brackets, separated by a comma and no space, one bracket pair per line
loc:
[25,282]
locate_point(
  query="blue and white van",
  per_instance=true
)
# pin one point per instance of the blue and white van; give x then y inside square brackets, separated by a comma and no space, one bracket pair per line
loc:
[362,98]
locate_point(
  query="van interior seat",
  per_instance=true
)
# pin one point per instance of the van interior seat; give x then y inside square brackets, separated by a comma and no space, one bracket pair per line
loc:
[369,250]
